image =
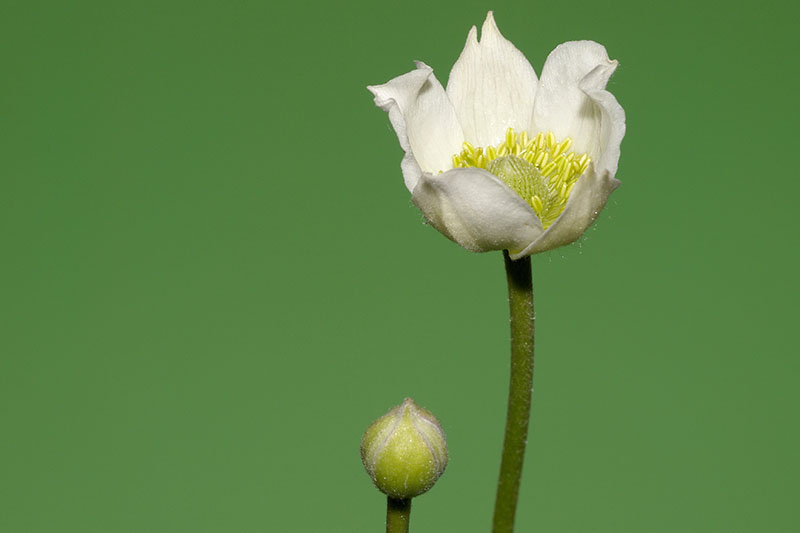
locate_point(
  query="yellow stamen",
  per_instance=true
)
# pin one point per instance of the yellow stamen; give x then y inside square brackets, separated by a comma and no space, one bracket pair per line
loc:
[554,169]
[537,203]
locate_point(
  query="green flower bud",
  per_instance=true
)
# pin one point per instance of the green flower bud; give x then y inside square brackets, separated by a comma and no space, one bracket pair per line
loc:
[404,451]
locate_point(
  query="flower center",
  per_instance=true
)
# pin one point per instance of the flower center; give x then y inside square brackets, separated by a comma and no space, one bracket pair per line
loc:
[540,170]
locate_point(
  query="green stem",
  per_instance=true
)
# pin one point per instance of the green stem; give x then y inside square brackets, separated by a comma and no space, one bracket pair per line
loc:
[520,299]
[398,513]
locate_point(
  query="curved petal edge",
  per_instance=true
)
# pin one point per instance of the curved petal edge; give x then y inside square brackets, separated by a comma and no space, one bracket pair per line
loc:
[587,200]
[611,124]
[423,119]
[572,101]
[477,210]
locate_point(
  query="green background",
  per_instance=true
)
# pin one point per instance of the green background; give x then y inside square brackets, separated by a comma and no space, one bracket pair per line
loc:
[213,279]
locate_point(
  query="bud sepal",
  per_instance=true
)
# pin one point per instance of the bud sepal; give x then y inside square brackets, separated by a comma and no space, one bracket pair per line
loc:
[404,451]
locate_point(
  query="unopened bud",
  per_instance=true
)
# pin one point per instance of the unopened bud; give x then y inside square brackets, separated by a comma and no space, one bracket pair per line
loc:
[404,451]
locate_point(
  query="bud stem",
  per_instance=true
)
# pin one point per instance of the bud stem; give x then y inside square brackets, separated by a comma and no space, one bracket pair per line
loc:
[398,513]
[520,299]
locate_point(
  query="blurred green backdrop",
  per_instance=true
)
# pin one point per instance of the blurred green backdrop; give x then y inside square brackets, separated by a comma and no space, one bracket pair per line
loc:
[213,278]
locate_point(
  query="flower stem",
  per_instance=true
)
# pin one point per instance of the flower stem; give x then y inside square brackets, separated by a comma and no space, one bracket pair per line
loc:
[520,299]
[398,513]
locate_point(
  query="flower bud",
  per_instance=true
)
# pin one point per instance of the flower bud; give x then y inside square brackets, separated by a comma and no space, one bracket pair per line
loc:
[404,451]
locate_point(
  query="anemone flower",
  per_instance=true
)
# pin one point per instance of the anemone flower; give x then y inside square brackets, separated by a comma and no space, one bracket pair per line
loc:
[501,159]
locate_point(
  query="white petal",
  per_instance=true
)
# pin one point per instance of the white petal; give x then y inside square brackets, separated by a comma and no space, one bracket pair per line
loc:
[475,209]
[612,120]
[587,199]
[492,86]
[424,120]
[572,102]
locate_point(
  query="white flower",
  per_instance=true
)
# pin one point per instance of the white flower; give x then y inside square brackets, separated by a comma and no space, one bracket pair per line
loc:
[501,159]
